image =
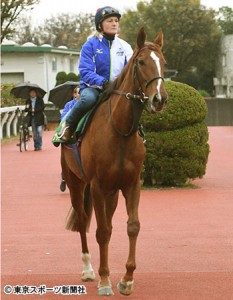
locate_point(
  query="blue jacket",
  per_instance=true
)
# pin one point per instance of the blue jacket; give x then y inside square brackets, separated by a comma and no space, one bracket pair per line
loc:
[102,60]
[68,107]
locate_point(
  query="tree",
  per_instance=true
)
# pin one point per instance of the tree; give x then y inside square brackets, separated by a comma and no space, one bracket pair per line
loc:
[225,19]
[191,34]
[70,30]
[10,12]
[24,31]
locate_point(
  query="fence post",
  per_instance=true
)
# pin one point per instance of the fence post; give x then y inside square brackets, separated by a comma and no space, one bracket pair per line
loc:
[8,125]
[3,123]
[15,122]
[5,111]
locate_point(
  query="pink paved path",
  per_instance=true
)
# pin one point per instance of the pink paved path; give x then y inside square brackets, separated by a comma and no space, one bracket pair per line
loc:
[185,247]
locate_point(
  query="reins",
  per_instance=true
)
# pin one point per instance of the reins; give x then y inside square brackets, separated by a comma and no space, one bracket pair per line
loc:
[134,124]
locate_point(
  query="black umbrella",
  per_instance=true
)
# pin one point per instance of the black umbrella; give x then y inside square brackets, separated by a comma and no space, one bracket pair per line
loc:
[22,90]
[62,93]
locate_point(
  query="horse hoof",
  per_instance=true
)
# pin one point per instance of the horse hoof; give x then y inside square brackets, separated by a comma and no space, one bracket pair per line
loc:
[88,276]
[105,291]
[125,288]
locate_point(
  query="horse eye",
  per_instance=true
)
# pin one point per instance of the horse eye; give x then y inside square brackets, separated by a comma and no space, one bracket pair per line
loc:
[141,62]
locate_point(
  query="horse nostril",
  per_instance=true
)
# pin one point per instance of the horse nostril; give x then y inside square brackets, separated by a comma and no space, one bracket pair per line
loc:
[158,98]
[165,99]
[155,99]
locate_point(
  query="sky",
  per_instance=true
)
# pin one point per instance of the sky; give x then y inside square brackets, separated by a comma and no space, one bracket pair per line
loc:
[48,8]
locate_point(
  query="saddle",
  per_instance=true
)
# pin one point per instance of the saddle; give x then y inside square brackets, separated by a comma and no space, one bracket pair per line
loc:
[80,129]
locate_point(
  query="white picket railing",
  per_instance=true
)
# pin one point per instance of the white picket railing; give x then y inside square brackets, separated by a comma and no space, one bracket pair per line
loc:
[10,116]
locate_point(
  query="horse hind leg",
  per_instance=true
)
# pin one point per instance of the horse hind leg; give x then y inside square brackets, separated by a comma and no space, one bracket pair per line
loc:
[79,220]
[80,213]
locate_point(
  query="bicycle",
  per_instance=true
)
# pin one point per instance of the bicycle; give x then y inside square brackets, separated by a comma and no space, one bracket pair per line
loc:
[24,136]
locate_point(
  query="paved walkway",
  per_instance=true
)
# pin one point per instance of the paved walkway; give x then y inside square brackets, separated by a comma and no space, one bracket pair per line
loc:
[185,247]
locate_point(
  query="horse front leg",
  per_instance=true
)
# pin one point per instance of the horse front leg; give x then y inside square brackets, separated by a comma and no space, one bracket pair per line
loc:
[104,205]
[132,196]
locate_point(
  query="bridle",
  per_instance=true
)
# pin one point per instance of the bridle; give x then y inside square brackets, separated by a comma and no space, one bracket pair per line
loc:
[146,82]
[142,97]
[139,96]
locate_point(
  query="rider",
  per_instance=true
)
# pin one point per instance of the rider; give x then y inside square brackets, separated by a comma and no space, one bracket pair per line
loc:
[102,58]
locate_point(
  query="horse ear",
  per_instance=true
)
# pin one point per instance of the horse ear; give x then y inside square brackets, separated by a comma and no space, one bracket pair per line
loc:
[141,38]
[159,39]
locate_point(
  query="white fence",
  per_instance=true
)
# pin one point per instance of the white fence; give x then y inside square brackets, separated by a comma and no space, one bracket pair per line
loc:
[9,119]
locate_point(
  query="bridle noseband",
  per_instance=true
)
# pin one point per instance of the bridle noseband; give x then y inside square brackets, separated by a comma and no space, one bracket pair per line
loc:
[146,82]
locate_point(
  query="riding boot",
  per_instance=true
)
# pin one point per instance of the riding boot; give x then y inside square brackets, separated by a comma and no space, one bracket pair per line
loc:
[71,122]
[64,133]
[87,101]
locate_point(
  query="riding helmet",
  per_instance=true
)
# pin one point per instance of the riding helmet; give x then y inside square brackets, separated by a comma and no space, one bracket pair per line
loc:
[104,13]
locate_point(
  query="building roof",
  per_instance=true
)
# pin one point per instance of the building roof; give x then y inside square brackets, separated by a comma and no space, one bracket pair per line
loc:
[32,48]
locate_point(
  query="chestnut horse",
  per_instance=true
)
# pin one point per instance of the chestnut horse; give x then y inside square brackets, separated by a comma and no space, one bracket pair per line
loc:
[112,155]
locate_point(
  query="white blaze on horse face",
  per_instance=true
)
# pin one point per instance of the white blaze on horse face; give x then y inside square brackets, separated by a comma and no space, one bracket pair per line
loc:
[157,62]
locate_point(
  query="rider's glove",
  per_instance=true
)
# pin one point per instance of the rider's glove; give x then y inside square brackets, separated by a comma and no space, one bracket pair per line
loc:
[105,84]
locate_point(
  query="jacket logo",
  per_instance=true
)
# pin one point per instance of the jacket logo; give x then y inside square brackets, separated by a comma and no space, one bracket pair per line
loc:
[99,51]
[120,52]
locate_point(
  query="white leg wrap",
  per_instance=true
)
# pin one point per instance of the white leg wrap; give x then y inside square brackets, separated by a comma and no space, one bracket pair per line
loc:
[88,272]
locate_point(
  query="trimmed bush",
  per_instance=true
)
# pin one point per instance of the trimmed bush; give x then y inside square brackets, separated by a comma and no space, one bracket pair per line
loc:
[177,138]
[61,77]
[72,77]
[185,107]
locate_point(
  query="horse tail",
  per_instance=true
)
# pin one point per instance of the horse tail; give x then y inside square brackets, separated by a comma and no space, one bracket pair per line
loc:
[73,221]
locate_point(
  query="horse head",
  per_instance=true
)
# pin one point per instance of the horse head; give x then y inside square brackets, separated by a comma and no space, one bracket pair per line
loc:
[149,71]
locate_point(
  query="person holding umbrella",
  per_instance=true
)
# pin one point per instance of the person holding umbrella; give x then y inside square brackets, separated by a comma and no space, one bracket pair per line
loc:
[35,108]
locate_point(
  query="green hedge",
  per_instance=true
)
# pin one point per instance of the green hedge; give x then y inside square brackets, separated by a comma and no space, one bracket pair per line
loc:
[62,77]
[177,138]
[6,98]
